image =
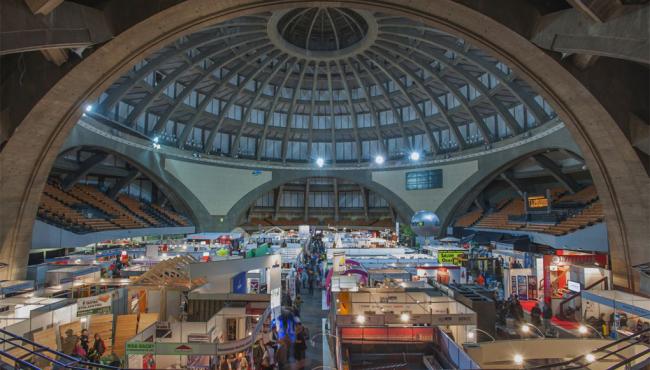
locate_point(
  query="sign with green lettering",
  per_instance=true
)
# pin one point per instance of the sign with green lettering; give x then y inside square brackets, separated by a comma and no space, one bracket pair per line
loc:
[140,348]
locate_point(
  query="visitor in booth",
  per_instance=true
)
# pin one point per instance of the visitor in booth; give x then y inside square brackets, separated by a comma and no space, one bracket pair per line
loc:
[547,314]
[300,345]
[242,361]
[536,315]
[282,353]
[480,280]
[98,350]
[84,340]
[269,357]
[78,350]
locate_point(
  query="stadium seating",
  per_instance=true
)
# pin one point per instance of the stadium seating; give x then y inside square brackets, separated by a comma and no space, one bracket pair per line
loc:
[85,208]
[583,209]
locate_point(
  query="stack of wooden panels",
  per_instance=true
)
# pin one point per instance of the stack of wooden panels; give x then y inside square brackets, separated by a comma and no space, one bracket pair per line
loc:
[47,338]
[103,325]
[147,319]
[125,329]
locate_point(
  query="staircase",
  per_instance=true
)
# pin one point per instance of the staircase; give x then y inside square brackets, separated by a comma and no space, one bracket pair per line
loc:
[17,352]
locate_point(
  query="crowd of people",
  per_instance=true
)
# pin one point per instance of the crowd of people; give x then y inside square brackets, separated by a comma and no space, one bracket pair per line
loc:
[80,346]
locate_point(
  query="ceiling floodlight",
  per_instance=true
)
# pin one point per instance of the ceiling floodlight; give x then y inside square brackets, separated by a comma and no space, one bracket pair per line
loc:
[379,159]
[414,156]
[320,162]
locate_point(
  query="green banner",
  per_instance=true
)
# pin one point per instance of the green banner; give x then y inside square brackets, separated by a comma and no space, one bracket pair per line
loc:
[140,348]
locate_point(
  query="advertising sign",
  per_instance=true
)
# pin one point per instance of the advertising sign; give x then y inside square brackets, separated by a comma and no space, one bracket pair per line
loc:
[140,348]
[239,283]
[454,257]
[96,305]
[573,286]
[338,261]
[537,201]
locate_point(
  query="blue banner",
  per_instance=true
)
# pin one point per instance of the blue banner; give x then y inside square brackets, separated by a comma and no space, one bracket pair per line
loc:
[239,283]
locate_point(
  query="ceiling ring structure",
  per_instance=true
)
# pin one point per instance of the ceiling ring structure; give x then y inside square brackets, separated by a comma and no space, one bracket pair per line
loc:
[363,41]
[620,179]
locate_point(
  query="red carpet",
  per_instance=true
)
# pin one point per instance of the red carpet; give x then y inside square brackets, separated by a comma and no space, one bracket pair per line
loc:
[569,325]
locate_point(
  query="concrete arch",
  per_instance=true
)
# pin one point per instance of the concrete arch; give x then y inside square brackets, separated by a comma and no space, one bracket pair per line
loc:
[617,172]
[281,177]
[465,194]
[149,164]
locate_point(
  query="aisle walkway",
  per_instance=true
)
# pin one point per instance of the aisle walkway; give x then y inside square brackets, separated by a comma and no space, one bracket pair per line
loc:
[311,315]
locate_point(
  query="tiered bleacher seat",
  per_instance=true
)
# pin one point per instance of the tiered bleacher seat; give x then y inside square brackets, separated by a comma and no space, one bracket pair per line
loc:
[499,219]
[62,215]
[121,216]
[469,218]
[584,196]
[590,215]
[180,220]
[135,206]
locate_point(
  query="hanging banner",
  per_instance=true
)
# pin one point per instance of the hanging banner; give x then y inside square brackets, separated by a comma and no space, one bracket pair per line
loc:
[239,283]
[454,257]
[96,305]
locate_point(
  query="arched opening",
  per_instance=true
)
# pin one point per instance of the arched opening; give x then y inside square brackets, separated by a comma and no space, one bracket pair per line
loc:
[617,173]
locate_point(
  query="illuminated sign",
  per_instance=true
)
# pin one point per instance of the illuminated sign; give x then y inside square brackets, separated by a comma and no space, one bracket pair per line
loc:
[538,201]
[454,257]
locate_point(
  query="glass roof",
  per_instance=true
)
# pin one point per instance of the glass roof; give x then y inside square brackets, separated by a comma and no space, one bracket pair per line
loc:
[345,85]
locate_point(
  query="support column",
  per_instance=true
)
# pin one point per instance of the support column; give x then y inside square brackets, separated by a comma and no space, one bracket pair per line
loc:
[83,170]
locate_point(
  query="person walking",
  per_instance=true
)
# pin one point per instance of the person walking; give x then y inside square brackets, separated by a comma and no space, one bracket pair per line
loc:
[300,346]
[536,315]
[311,284]
[547,315]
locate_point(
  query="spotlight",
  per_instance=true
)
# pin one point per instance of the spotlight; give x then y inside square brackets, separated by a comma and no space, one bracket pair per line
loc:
[405,317]
[590,357]
[320,162]
[156,139]
[525,328]
[470,335]
[519,359]
[361,319]
[582,329]
[89,108]
[414,156]
[379,159]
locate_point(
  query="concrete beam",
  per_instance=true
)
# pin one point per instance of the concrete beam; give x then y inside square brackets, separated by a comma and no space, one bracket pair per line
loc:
[556,171]
[277,201]
[122,183]
[56,56]
[70,25]
[306,201]
[364,198]
[622,37]
[42,7]
[597,10]
[640,134]
[507,177]
[336,200]
[83,170]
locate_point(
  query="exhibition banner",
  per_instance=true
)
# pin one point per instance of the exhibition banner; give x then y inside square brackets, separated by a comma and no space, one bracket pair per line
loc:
[96,305]
[454,257]
[140,348]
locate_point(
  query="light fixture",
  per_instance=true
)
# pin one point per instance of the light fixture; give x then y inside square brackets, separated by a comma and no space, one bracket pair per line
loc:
[470,335]
[89,108]
[519,359]
[361,319]
[582,329]
[379,159]
[590,357]
[525,328]
[405,317]
[320,162]
[414,156]
[156,139]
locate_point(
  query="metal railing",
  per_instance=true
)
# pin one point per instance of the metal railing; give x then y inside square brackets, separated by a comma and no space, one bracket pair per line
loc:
[59,359]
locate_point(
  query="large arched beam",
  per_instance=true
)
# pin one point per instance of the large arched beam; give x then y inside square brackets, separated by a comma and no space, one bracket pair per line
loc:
[150,164]
[281,177]
[618,173]
[491,166]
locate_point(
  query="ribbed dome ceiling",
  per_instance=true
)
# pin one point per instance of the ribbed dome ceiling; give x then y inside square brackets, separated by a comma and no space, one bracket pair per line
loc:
[365,84]
[322,29]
